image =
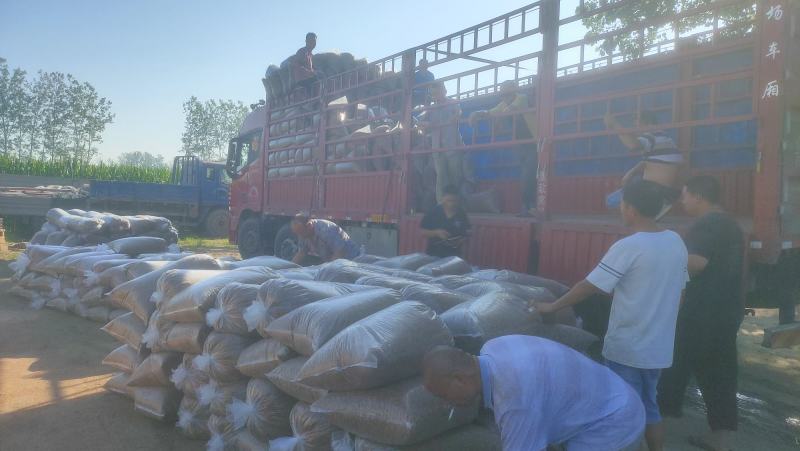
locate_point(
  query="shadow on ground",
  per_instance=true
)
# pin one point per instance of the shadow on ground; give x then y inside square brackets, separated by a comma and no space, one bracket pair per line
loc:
[51,387]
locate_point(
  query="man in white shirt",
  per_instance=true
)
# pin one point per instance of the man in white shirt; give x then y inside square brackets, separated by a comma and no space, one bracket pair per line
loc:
[647,272]
[541,393]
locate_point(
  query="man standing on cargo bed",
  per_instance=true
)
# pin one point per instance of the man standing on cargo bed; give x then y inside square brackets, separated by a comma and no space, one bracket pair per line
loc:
[541,393]
[523,123]
[661,161]
[647,272]
[302,64]
[322,239]
[709,319]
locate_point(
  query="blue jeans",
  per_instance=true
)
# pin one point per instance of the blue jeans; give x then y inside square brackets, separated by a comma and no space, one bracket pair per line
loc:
[645,383]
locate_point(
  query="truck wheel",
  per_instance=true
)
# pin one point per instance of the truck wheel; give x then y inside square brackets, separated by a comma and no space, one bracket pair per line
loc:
[216,223]
[286,244]
[249,238]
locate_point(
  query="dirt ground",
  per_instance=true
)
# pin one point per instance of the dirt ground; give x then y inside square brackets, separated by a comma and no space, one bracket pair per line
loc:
[51,395]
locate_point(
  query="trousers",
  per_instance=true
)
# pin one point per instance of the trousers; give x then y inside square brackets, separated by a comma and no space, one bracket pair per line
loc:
[529,164]
[448,167]
[708,352]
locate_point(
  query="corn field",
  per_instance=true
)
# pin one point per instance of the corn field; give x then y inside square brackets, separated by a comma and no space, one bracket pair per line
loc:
[81,170]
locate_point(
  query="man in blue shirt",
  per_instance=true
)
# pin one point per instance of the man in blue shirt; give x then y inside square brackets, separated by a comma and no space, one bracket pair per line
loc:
[541,393]
[322,239]
[421,95]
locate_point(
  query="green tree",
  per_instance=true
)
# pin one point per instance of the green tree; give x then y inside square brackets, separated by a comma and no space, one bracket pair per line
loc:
[88,116]
[142,159]
[210,125]
[13,107]
[52,117]
[734,20]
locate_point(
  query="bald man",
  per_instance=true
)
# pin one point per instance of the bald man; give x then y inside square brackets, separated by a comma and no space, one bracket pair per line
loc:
[541,392]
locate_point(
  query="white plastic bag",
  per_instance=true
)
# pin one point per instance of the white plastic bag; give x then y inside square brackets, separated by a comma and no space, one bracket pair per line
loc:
[439,299]
[265,412]
[160,403]
[400,414]
[265,261]
[382,348]
[281,296]
[155,370]
[284,376]
[135,294]
[312,429]
[118,383]
[228,314]
[136,245]
[262,357]
[309,327]
[174,281]
[188,379]
[124,358]
[193,419]
[190,305]
[127,329]
[220,354]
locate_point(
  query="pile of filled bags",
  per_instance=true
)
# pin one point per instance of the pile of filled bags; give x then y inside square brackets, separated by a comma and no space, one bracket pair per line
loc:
[79,279]
[88,228]
[263,354]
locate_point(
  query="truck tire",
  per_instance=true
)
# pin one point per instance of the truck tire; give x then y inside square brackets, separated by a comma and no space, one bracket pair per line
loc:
[251,243]
[286,243]
[216,223]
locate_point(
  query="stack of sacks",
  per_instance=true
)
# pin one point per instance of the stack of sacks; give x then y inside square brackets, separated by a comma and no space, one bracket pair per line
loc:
[359,372]
[68,278]
[267,261]
[346,271]
[280,296]
[496,314]
[505,275]
[207,376]
[235,350]
[136,281]
[358,368]
[453,285]
[182,328]
[77,228]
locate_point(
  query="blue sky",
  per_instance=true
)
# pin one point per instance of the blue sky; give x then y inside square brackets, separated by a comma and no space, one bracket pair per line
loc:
[149,56]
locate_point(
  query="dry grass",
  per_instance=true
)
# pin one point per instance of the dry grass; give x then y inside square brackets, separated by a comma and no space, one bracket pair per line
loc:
[217,247]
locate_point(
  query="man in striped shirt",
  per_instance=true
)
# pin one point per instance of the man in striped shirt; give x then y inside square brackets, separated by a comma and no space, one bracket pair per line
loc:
[661,160]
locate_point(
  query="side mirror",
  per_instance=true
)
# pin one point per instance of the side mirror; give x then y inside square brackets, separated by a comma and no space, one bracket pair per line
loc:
[234,159]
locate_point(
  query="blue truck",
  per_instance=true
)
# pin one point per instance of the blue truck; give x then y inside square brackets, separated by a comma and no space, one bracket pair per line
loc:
[197,196]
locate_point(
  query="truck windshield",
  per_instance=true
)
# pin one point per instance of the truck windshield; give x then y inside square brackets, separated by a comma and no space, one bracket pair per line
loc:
[250,149]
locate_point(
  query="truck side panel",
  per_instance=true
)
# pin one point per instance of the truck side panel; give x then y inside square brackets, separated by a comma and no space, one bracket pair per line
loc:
[570,251]
[145,198]
[495,241]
